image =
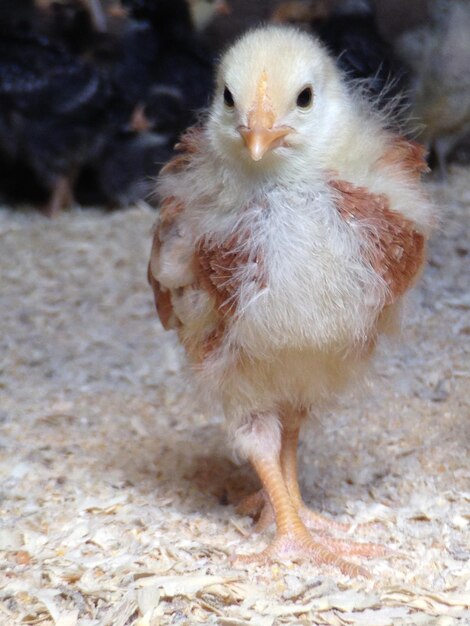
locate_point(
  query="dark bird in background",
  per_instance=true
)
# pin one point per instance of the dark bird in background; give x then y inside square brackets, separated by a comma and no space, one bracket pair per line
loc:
[439,53]
[123,172]
[92,87]
[161,47]
[77,24]
[80,99]
[163,76]
[55,112]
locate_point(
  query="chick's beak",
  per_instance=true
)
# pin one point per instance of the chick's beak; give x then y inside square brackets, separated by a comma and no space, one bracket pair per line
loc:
[259,139]
[260,133]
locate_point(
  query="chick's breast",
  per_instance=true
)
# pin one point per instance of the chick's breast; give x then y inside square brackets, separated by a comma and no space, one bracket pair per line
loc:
[304,269]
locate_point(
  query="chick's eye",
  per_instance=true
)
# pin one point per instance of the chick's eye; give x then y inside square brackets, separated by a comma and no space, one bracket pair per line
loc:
[304,99]
[228,98]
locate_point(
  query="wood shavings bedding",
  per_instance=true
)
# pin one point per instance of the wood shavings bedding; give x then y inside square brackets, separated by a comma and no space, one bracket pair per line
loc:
[117,491]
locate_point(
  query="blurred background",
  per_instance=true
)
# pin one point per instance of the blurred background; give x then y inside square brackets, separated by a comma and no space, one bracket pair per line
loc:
[94,93]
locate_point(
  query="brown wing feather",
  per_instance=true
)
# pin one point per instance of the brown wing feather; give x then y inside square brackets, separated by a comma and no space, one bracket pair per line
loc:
[187,145]
[163,304]
[220,269]
[395,249]
[162,296]
[408,155]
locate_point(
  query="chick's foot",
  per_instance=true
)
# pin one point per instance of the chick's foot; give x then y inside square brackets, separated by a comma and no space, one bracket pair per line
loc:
[297,545]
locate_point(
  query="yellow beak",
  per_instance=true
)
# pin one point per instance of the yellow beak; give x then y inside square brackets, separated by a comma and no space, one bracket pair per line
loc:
[260,139]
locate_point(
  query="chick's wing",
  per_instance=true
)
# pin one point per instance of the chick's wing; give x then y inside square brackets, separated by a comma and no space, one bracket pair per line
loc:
[169,268]
[199,282]
[172,260]
[392,245]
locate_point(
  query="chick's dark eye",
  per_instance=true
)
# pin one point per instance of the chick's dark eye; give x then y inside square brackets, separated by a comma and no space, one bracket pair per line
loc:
[228,98]
[304,99]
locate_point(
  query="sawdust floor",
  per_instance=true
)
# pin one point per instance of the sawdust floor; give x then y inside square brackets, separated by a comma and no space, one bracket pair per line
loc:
[116,489]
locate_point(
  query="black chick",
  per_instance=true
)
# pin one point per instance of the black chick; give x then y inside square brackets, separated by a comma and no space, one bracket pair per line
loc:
[55,112]
[353,37]
[161,48]
[73,25]
[125,169]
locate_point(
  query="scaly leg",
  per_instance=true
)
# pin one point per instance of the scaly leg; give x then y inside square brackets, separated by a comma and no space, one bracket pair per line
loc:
[258,505]
[290,439]
[262,503]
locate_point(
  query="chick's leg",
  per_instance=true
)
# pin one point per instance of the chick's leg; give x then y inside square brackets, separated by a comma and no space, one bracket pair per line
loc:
[321,525]
[293,540]
[258,505]
[61,197]
[262,503]
[289,445]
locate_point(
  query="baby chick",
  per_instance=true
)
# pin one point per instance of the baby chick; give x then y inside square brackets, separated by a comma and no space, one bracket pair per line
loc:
[440,57]
[160,47]
[55,112]
[292,223]
[125,170]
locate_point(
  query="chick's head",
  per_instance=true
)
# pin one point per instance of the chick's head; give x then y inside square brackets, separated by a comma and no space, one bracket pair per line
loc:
[278,99]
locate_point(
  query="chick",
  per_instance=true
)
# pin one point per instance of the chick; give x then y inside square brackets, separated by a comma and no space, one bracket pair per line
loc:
[440,57]
[76,24]
[291,225]
[124,171]
[55,111]
[160,48]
